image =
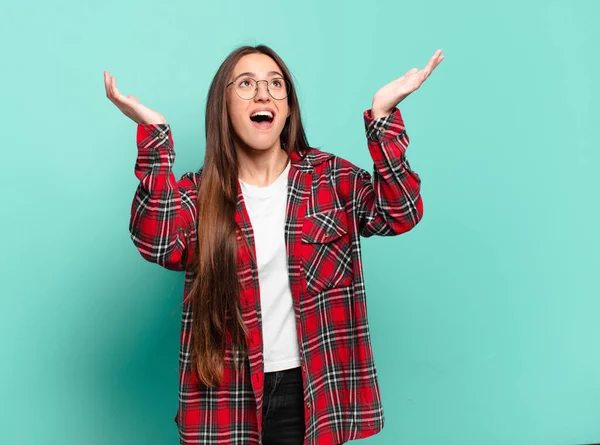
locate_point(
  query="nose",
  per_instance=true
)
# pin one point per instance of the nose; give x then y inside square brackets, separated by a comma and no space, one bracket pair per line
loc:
[262,92]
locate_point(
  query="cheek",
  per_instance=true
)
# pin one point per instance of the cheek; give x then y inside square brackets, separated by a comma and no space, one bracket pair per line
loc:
[235,107]
[284,114]
[237,115]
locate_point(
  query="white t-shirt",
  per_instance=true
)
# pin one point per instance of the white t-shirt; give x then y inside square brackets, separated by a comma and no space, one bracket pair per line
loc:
[266,207]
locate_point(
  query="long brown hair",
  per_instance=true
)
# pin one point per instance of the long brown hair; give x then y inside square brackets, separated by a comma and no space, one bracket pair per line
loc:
[214,295]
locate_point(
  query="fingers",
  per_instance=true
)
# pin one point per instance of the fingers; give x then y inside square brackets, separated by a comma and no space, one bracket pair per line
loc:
[433,62]
[111,90]
[106,82]
[113,87]
[436,59]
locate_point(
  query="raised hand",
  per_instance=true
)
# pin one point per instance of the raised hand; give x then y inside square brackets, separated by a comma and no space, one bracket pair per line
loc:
[129,105]
[390,95]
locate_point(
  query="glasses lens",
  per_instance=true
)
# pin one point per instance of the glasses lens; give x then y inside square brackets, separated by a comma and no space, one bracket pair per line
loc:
[279,88]
[245,88]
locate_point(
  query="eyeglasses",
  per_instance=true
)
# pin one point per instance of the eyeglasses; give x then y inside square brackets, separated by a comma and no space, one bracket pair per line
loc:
[246,87]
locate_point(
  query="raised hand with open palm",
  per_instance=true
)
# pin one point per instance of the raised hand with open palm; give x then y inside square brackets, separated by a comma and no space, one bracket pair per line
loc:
[130,105]
[390,95]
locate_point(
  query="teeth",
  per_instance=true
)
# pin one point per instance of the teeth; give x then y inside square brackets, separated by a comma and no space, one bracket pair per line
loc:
[262,113]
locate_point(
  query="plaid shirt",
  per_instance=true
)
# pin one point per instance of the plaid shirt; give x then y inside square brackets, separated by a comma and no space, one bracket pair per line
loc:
[331,203]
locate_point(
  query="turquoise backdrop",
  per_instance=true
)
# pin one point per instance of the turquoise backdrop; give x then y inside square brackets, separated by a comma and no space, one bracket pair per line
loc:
[484,318]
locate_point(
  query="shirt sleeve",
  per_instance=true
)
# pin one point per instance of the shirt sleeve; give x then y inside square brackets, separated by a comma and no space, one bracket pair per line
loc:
[388,202]
[163,209]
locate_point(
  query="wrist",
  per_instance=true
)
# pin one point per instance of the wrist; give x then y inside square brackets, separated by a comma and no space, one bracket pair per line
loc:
[379,112]
[152,122]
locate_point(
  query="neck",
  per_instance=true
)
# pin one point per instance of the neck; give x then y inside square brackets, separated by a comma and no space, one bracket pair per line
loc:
[261,167]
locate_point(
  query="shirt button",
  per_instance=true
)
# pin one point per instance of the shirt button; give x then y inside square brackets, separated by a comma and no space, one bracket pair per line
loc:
[308,405]
[161,135]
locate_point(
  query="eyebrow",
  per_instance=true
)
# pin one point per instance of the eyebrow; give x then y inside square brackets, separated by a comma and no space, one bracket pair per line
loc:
[271,73]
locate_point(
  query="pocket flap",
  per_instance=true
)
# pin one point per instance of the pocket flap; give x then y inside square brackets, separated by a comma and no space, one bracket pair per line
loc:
[324,227]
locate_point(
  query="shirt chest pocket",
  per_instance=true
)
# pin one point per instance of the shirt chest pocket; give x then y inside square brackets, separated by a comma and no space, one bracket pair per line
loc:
[326,251]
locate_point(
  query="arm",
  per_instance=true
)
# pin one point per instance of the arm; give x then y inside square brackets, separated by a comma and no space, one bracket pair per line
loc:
[389,203]
[163,212]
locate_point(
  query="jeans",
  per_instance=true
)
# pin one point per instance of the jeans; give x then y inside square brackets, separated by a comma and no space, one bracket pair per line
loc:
[283,408]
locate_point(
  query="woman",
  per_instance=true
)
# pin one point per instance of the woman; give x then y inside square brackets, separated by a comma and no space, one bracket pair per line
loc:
[275,345]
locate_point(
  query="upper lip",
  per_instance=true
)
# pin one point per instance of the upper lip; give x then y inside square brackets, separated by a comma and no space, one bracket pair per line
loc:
[264,109]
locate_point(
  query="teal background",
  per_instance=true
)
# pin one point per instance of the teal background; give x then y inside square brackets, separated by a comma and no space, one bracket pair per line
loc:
[484,318]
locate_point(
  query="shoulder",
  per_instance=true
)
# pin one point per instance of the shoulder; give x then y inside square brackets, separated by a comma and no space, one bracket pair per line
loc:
[339,175]
[327,163]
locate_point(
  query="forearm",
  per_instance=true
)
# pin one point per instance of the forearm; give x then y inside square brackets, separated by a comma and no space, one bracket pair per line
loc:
[160,224]
[390,200]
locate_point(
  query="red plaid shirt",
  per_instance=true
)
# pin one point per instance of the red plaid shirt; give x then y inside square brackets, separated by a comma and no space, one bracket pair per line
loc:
[331,203]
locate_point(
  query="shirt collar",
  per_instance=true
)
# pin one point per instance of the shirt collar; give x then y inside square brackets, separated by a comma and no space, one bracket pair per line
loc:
[312,158]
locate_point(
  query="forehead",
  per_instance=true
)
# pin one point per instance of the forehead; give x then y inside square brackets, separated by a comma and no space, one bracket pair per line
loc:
[260,64]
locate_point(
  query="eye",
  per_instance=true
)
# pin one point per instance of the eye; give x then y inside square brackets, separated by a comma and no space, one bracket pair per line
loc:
[245,83]
[276,83]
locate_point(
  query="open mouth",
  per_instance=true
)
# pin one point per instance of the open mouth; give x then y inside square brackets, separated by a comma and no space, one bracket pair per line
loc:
[262,120]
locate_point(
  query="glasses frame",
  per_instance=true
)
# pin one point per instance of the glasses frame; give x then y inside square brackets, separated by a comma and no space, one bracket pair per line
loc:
[287,89]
